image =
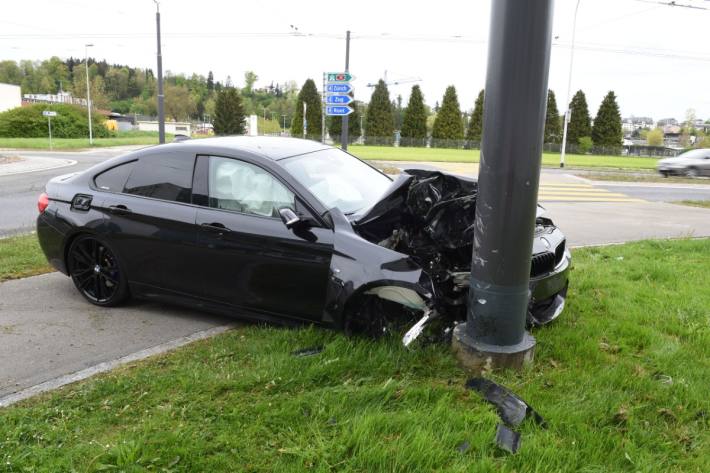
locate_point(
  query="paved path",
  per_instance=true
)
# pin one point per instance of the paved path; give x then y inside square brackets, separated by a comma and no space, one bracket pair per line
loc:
[48,330]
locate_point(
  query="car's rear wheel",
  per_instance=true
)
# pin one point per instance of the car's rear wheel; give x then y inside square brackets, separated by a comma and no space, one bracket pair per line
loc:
[692,172]
[96,272]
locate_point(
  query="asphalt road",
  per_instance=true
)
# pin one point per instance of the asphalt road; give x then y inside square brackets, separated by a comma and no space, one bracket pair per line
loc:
[48,331]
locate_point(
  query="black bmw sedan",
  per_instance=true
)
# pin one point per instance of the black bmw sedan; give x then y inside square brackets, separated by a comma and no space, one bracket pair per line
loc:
[279,229]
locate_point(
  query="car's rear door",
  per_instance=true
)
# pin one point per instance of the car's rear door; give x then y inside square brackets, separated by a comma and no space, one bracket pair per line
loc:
[152,222]
[250,260]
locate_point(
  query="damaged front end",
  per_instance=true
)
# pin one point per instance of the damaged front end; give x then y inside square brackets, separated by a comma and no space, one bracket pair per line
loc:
[414,249]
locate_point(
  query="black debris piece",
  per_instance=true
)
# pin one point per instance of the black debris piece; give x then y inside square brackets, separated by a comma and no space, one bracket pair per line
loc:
[507,439]
[463,446]
[511,409]
[310,351]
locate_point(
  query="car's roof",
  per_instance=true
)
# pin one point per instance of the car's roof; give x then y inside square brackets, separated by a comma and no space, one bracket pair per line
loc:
[272,147]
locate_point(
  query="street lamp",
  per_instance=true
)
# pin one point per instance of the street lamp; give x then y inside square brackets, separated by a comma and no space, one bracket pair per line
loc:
[161,96]
[88,90]
[569,87]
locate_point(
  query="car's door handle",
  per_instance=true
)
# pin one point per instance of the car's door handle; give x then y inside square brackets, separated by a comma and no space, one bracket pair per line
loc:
[119,209]
[216,227]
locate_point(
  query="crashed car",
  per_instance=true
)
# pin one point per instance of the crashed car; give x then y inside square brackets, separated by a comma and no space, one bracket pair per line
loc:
[279,229]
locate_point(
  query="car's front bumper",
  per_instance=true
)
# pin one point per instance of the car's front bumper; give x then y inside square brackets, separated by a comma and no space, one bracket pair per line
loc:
[668,170]
[548,293]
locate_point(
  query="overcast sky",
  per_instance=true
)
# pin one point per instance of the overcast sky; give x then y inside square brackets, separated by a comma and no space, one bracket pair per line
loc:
[654,57]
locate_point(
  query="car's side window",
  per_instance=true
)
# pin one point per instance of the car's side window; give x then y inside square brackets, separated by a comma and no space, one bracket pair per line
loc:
[162,176]
[114,179]
[243,187]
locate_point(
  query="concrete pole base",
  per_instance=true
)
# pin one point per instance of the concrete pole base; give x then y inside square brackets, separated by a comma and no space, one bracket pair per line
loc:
[478,357]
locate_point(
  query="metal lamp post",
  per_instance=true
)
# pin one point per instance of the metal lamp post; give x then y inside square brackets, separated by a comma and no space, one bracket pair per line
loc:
[494,334]
[569,89]
[88,91]
[161,96]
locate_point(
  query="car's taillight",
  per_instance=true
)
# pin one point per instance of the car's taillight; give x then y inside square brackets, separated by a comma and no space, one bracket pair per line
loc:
[42,202]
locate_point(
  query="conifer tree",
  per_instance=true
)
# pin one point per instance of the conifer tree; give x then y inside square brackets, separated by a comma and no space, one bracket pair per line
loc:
[475,125]
[414,123]
[607,129]
[314,113]
[379,123]
[553,130]
[579,123]
[448,124]
[229,113]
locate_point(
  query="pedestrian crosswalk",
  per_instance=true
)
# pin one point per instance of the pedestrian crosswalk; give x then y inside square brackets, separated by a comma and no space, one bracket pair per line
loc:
[579,193]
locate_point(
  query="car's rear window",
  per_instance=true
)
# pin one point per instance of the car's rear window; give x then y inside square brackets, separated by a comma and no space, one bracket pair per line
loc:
[165,176]
[113,180]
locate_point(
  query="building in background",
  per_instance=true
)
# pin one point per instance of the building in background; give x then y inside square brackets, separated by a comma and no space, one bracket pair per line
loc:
[59,97]
[631,124]
[175,128]
[10,97]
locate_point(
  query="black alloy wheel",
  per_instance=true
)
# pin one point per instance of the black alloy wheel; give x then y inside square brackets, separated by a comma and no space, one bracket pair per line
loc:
[95,271]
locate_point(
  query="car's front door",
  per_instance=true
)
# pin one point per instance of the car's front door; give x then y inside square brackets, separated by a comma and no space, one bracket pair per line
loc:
[250,259]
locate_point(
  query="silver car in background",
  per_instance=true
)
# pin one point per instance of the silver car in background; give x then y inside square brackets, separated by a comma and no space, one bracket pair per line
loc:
[692,163]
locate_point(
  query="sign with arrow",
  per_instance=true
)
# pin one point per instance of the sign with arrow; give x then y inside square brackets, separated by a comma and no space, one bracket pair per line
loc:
[338,88]
[338,111]
[338,99]
[339,76]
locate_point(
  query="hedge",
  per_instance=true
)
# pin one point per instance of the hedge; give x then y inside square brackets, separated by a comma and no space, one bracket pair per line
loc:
[71,122]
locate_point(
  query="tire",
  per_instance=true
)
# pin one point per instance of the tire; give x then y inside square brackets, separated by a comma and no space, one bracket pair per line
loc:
[692,172]
[96,272]
[664,174]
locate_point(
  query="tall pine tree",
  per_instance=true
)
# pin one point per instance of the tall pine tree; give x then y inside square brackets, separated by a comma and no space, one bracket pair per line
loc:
[229,113]
[607,124]
[553,130]
[414,122]
[475,124]
[379,123]
[579,123]
[314,113]
[448,124]
[335,125]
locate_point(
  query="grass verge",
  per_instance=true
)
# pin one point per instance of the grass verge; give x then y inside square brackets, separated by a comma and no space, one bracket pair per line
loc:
[621,378]
[20,257]
[695,203]
[122,139]
[388,153]
[639,177]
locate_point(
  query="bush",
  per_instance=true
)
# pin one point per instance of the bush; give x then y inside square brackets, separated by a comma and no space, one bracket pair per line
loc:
[71,122]
[585,144]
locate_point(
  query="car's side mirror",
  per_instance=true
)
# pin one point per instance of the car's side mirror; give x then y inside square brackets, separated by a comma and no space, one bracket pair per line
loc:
[289,217]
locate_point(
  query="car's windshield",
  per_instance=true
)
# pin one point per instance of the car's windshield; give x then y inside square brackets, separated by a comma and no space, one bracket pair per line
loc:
[338,179]
[696,153]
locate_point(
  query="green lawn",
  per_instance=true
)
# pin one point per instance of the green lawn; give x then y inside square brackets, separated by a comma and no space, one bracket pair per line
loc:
[123,139]
[621,378]
[695,203]
[20,257]
[388,153]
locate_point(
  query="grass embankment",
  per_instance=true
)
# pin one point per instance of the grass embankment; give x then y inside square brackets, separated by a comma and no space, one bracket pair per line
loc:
[621,378]
[388,153]
[20,257]
[121,139]
[695,203]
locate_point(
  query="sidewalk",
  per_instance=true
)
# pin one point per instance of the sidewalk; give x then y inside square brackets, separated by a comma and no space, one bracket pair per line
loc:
[31,164]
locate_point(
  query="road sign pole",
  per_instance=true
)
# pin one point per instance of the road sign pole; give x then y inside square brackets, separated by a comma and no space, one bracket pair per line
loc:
[49,125]
[494,334]
[345,122]
[322,126]
[161,96]
[305,122]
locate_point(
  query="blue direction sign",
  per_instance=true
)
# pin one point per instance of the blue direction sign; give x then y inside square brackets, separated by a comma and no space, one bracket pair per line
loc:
[338,99]
[338,111]
[338,88]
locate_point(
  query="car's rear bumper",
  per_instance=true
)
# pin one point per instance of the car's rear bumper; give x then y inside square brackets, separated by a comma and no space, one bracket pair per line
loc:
[51,240]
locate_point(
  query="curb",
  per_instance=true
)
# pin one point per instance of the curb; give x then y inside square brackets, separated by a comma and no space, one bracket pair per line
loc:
[60,164]
[80,375]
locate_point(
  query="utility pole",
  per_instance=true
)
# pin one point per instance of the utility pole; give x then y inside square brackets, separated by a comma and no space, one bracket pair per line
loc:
[494,334]
[161,96]
[88,92]
[346,119]
[284,127]
[568,113]
[305,122]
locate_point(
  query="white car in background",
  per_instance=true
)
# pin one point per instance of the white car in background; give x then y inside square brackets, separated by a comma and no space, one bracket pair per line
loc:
[692,163]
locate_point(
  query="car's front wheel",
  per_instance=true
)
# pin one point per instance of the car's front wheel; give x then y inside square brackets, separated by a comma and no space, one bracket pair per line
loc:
[96,272]
[692,172]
